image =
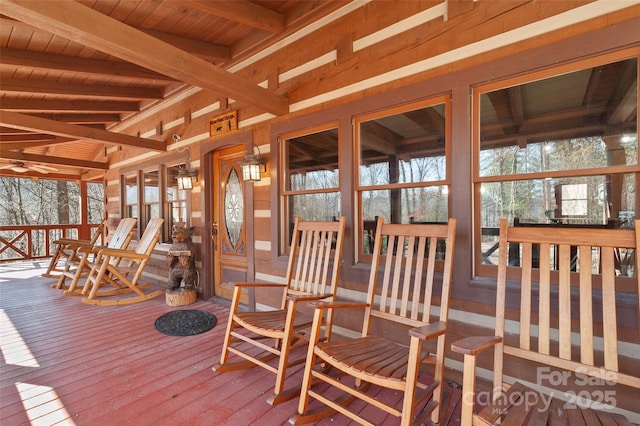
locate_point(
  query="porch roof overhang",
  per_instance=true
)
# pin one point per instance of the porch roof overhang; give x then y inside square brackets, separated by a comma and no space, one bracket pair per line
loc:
[71,75]
[72,81]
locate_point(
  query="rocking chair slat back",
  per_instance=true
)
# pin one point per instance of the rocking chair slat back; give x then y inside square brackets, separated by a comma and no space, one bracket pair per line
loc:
[565,280]
[311,264]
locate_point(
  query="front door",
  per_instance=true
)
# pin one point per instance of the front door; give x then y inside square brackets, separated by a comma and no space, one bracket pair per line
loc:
[230,248]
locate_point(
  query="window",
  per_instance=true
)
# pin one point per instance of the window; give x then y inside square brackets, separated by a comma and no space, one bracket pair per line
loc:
[176,200]
[559,149]
[130,196]
[159,197]
[573,200]
[403,171]
[95,202]
[151,197]
[311,180]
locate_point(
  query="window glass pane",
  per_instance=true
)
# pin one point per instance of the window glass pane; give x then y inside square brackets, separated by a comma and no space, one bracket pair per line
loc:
[153,211]
[624,265]
[178,213]
[95,202]
[580,200]
[580,120]
[311,161]
[151,187]
[233,208]
[315,207]
[131,190]
[408,147]
[132,211]
[573,200]
[412,205]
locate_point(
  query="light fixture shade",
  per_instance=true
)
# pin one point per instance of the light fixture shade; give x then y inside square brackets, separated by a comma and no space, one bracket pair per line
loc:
[251,172]
[251,168]
[184,182]
[185,179]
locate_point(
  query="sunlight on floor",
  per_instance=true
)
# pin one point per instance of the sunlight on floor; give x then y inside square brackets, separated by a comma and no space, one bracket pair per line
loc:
[14,349]
[21,270]
[42,405]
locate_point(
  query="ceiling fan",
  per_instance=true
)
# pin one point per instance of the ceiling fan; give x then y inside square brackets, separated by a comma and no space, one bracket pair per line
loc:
[20,167]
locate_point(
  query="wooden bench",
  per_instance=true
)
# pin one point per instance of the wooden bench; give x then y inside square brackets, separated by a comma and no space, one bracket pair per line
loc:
[556,306]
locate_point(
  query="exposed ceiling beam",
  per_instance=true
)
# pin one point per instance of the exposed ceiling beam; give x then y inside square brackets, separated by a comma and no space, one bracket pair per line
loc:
[244,12]
[12,146]
[95,118]
[625,109]
[52,127]
[202,49]
[6,131]
[33,158]
[31,137]
[23,86]
[45,105]
[75,21]
[46,61]
[380,138]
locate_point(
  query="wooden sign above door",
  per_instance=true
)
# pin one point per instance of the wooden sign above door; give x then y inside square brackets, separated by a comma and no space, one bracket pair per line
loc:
[224,123]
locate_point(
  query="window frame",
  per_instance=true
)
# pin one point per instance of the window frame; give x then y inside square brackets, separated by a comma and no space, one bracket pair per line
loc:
[359,227]
[481,270]
[286,215]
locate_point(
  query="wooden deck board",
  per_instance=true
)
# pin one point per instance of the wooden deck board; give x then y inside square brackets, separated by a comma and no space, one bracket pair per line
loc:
[69,363]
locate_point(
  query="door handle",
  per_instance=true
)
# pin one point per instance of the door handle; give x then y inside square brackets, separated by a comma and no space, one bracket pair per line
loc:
[214,235]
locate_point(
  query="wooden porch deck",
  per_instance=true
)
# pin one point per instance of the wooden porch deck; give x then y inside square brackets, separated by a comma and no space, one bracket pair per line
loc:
[68,363]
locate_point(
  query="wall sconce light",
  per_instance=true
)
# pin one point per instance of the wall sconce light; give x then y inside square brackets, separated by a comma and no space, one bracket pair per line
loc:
[252,166]
[186,177]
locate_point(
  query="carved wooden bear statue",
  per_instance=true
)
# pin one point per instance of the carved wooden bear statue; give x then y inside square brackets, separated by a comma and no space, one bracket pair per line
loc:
[181,259]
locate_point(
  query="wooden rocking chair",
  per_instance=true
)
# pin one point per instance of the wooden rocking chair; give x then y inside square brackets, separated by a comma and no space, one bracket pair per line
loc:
[79,265]
[124,273]
[66,249]
[568,302]
[404,294]
[312,274]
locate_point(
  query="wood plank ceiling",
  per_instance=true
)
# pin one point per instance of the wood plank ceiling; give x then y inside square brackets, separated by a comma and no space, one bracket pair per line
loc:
[71,71]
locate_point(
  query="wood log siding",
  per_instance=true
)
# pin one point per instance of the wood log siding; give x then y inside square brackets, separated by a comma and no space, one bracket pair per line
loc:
[262,135]
[326,79]
[406,47]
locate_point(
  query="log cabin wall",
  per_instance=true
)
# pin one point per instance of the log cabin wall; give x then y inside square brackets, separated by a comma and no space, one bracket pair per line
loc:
[367,57]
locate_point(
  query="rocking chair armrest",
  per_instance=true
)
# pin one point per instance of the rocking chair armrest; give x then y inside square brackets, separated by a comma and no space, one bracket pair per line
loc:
[76,245]
[307,297]
[474,345]
[90,249]
[129,254]
[70,241]
[429,331]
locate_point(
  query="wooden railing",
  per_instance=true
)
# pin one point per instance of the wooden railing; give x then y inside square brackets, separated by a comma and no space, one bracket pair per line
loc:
[25,242]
